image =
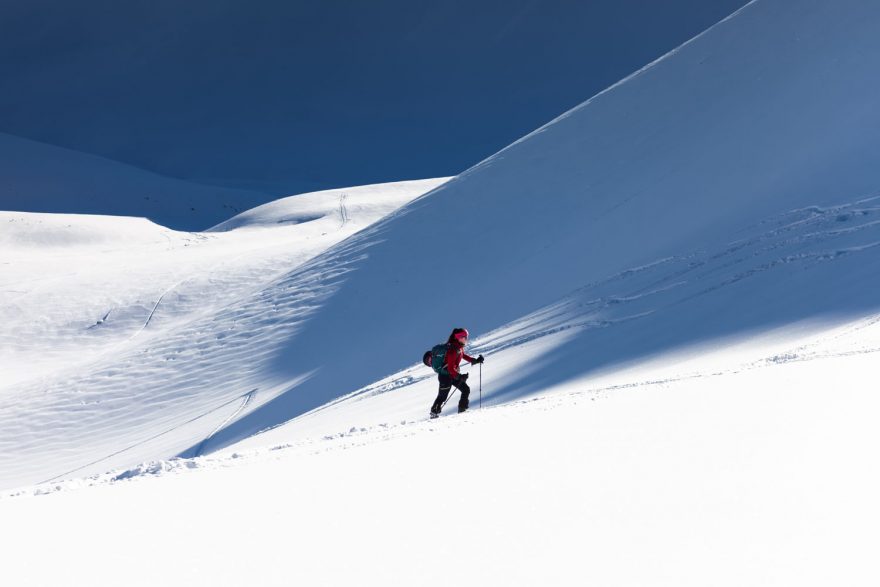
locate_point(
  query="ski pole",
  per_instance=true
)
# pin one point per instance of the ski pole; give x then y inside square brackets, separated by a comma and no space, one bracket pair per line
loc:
[449,397]
[481,386]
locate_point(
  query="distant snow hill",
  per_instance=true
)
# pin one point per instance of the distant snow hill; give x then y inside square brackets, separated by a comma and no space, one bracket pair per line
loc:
[727,193]
[36,177]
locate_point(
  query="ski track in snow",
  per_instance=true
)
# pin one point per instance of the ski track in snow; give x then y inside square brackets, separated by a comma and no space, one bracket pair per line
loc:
[244,402]
[248,397]
[642,291]
[343,211]
[662,283]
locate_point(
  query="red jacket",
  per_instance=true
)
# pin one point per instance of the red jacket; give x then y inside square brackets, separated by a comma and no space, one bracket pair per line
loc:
[453,358]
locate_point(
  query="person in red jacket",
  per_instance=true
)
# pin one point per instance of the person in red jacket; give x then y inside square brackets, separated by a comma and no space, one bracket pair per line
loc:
[450,375]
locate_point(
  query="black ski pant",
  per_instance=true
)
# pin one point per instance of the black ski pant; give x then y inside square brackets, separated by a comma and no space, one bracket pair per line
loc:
[446,383]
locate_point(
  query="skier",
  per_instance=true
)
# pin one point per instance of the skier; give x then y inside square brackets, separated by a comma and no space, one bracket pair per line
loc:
[449,375]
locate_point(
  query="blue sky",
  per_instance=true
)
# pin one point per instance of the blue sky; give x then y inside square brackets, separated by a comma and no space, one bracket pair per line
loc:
[293,96]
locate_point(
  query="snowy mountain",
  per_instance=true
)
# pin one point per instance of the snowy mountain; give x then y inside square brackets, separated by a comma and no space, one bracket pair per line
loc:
[673,284]
[35,177]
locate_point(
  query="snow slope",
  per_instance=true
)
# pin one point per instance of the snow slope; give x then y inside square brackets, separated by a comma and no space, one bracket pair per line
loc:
[728,189]
[124,340]
[36,177]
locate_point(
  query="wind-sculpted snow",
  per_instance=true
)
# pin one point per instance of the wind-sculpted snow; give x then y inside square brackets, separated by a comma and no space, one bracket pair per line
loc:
[146,344]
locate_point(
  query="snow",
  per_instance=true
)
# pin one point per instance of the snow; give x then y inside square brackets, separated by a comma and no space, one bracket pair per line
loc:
[674,285]
[736,178]
[124,341]
[733,478]
[36,177]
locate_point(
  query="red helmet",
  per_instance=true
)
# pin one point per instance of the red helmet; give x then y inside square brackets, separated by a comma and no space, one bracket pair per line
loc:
[462,335]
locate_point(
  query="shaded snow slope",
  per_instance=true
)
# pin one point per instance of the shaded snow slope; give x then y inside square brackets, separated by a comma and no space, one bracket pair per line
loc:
[123,340]
[35,177]
[595,335]
[725,190]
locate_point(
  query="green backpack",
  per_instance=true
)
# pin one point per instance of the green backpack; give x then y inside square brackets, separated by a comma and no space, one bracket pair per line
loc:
[435,358]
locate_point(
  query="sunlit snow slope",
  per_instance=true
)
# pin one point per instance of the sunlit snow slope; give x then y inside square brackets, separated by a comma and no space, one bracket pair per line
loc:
[123,340]
[731,188]
[755,476]
[36,177]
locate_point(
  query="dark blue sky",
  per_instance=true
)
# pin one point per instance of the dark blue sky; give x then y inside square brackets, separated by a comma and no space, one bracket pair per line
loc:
[291,96]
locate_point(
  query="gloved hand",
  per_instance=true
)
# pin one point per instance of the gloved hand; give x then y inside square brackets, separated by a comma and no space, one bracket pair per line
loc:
[463,377]
[479,360]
